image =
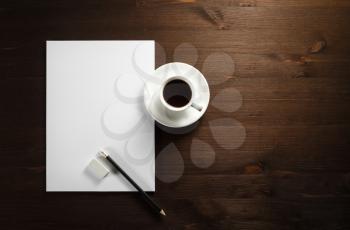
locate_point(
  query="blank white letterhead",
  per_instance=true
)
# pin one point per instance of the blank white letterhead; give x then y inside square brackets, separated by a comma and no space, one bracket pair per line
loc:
[94,100]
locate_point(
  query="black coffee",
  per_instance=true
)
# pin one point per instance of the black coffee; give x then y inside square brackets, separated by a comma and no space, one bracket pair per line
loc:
[177,93]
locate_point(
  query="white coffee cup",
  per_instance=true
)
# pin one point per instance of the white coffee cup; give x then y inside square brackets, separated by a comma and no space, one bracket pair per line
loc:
[182,89]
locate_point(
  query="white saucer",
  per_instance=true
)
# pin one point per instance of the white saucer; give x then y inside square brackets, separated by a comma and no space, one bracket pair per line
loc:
[201,94]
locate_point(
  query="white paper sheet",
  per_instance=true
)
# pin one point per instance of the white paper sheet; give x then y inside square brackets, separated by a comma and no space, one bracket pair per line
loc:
[93,101]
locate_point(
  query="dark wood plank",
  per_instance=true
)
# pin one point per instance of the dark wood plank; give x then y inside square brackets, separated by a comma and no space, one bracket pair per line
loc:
[291,172]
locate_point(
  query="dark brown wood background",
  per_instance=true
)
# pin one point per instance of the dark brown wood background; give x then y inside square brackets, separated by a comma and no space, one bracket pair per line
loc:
[292,68]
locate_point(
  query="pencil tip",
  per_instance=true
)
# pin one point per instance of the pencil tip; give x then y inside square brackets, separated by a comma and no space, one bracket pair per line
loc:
[162,212]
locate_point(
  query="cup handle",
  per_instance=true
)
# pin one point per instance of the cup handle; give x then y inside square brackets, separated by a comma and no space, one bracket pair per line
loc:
[196,106]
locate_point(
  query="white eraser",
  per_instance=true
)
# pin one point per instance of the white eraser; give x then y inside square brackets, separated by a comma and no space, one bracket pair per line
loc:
[97,169]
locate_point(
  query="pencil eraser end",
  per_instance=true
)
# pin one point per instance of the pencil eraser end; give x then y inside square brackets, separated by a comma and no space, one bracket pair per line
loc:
[97,169]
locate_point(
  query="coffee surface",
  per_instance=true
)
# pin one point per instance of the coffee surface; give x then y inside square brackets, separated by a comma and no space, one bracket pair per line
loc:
[177,93]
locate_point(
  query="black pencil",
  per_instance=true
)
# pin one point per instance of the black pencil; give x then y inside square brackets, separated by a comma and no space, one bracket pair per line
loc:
[144,195]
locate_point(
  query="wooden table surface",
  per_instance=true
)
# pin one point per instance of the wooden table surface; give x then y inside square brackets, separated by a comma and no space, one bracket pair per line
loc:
[291,67]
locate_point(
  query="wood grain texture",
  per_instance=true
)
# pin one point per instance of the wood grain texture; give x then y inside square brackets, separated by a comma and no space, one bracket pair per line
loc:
[291,66]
